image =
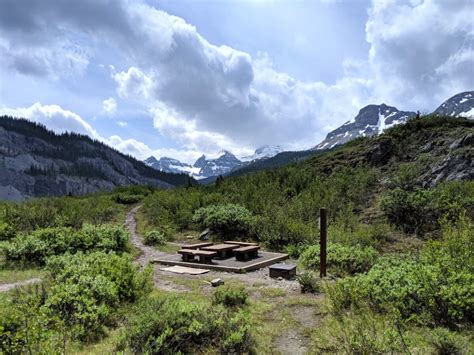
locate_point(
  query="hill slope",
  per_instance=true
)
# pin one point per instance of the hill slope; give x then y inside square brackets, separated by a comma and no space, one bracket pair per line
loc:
[37,162]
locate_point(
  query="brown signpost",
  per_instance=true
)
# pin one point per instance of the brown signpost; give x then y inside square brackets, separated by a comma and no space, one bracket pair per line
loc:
[323,217]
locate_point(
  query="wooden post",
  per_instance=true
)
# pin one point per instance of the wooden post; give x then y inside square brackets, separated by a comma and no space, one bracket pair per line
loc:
[323,217]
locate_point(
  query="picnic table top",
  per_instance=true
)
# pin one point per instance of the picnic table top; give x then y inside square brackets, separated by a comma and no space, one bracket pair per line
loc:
[196,252]
[195,245]
[221,247]
[240,243]
[247,248]
[282,266]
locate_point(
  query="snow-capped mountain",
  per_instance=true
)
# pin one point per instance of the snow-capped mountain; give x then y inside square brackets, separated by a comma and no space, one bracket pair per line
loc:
[203,167]
[374,119]
[171,165]
[371,120]
[218,166]
[460,105]
[264,152]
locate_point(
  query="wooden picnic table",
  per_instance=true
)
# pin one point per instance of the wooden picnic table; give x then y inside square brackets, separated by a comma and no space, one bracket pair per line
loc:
[195,245]
[205,256]
[222,250]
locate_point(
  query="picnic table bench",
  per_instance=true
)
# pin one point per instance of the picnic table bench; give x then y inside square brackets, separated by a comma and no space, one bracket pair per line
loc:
[223,250]
[205,257]
[244,244]
[245,253]
[195,245]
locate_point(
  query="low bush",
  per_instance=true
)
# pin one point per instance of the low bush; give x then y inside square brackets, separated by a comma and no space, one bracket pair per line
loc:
[154,238]
[435,288]
[81,295]
[6,231]
[446,342]
[341,259]
[358,332]
[184,327]
[125,199]
[295,250]
[86,289]
[308,282]
[230,296]
[38,245]
[417,210]
[228,220]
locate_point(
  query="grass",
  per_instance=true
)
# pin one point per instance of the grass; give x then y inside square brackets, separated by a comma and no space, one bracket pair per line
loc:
[167,248]
[11,274]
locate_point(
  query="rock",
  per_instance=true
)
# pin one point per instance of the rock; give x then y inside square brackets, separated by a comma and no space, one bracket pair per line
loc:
[217,282]
[189,237]
[280,278]
[451,168]
[463,141]
[205,234]
[380,152]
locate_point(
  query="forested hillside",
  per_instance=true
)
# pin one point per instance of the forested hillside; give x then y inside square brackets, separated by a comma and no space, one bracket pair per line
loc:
[37,162]
[400,257]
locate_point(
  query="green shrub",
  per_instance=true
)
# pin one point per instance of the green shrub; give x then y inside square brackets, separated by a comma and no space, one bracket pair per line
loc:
[308,282]
[228,220]
[79,297]
[418,210]
[230,296]
[87,288]
[154,238]
[184,327]
[446,342]
[38,245]
[435,288]
[295,250]
[341,259]
[125,199]
[6,231]
[358,332]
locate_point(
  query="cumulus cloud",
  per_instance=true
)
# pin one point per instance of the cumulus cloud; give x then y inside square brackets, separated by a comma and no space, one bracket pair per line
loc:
[142,151]
[54,117]
[421,51]
[109,106]
[209,97]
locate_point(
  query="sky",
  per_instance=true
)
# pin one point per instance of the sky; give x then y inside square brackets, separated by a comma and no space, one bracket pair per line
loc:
[182,78]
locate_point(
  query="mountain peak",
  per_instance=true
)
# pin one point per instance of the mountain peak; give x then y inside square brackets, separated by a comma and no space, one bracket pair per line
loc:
[461,104]
[264,152]
[371,120]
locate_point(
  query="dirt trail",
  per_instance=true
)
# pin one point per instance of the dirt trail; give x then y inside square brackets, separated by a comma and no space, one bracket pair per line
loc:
[10,286]
[147,253]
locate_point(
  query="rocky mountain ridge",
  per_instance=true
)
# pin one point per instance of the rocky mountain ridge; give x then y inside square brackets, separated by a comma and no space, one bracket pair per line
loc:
[37,162]
[206,167]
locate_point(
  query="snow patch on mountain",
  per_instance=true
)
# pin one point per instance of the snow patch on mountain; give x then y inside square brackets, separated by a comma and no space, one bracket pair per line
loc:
[264,152]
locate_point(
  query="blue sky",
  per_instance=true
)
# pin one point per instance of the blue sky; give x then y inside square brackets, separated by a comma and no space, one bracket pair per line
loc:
[180,78]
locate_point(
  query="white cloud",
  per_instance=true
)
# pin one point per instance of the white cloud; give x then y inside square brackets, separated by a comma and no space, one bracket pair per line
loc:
[122,123]
[421,51]
[109,106]
[142,151]
[53,117]
[209,97]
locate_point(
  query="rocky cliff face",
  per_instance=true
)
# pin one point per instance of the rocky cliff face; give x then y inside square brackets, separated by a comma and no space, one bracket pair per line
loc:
[37,162]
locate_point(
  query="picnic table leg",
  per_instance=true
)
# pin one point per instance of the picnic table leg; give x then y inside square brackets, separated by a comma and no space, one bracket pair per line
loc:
[205,259]
[187,257]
